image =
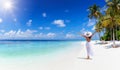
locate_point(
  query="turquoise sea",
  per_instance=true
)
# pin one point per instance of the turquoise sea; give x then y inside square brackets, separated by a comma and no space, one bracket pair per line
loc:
[32,48]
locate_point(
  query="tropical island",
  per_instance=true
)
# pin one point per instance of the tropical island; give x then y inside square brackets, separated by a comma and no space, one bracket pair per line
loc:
[107,22]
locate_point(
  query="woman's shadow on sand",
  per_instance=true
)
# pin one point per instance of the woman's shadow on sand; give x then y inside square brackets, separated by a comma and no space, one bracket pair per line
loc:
[84,58]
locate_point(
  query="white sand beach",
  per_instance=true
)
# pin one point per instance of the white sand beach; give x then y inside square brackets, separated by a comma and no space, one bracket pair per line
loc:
[71,59]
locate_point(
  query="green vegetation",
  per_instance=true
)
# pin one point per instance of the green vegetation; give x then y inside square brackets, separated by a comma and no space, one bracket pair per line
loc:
[108,21]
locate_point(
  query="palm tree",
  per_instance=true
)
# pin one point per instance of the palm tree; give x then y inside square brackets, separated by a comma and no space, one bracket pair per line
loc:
[115,5]
[94,11]
[109,21]
[99,28]
[95,14]
[112,16]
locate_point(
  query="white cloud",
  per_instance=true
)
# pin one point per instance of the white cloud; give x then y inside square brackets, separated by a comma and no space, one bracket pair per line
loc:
[93,28]
[29,23]
[27,34]
[91,22]
[103,9]
[10,33]
[1,20]
[51,35]
[19,34]
[46,28]
[41,28]
[83,29]
[2,31]
[40,35]
[59,23]
[44,14]
[69,35]
[30,31]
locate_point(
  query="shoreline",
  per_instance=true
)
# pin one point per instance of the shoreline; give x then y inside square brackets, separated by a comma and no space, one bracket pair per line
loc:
[72,58]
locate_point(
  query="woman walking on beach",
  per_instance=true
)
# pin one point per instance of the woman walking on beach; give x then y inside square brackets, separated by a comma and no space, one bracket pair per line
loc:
[88,36]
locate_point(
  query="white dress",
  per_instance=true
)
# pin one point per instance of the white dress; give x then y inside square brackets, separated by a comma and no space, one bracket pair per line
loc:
[89,49]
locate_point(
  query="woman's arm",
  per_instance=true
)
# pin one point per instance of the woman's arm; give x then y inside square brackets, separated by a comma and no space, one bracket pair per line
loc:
[93,33]
[82,35]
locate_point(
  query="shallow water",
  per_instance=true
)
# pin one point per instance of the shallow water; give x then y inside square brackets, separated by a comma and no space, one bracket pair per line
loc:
[31,48]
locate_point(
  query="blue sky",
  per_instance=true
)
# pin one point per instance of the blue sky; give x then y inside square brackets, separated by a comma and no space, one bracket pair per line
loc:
[46,19]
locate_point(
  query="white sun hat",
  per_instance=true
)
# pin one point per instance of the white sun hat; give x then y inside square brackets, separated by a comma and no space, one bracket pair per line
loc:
[87,34]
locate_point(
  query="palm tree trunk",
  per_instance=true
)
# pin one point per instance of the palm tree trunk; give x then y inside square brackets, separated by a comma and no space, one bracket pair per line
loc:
[104,31]
[99,36]
[116,32]
[111,33]
[113,39]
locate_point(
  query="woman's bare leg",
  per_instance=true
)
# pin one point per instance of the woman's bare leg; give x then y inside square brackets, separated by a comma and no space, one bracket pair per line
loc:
[88,57]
